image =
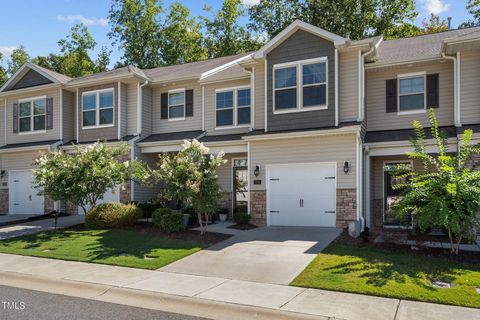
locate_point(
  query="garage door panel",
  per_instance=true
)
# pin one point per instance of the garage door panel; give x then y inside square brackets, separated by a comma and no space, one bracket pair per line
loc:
[24,197]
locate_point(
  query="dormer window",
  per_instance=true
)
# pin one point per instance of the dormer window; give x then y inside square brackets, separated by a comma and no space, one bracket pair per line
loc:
[300,86]
[97,108]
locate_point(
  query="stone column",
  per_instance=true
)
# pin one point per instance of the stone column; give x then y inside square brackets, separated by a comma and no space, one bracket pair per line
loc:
[258,207]
[346,207]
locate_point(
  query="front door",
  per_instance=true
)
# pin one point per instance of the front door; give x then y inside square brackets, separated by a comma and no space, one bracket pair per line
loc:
[240,186]
[390,196]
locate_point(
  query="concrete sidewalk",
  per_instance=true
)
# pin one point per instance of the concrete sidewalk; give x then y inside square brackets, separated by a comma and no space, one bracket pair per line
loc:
[210,297]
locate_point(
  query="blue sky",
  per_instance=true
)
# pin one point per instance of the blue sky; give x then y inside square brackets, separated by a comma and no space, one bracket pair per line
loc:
[43,23]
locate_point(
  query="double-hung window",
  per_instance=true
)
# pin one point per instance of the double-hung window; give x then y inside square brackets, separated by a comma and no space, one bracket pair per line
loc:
[32,115]
[411,93]
[97,108]
[300,86]
[176,105]
[233,107]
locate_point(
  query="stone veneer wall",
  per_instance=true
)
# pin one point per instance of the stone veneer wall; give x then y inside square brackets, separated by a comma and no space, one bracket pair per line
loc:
[377,213]
[48,204]
[346,207]
[3,201]
[226,202]
[258,207]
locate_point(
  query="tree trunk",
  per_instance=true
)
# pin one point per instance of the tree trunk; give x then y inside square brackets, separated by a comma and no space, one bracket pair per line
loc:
[203,229]
[199,217]
[84,210]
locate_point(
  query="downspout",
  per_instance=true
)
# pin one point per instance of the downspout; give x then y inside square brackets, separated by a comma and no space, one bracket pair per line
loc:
[140,107]
[361,91]
[359,174]
[456,87]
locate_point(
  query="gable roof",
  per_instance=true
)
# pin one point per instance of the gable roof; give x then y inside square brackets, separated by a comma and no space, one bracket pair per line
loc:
[110,74]
[291,29]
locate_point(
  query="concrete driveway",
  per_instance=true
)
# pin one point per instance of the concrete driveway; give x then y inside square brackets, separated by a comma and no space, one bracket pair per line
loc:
[273,255]
[31,227]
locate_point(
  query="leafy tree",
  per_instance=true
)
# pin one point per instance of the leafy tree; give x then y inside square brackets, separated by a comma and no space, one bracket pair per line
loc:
[224,35]
[356,19]
[3,72]
[433,25]
[103,60]
[135,28]
[53,62]
[181,37]
[191,176]
[83,178]
[473,7]
[445,192]
[17,59]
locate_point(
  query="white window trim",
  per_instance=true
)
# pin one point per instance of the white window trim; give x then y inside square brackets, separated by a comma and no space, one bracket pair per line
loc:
[408,76]
[97,109]
[32,131]
[184,104]
[299,86]
[234,108]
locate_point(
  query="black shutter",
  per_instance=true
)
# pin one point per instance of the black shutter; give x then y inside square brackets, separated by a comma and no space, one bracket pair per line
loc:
[49,113]
[189,103]
[15,118]
[391,86]
[164,106]
[432,91]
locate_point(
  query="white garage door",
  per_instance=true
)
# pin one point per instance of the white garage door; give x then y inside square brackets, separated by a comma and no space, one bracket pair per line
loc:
[109,196]
[301,195]
[23,196]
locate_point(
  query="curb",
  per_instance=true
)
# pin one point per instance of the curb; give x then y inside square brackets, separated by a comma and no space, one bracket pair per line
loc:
[149,300]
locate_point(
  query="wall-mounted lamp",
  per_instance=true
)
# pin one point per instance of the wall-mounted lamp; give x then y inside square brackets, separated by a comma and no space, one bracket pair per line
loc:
[256,172]
[346,167]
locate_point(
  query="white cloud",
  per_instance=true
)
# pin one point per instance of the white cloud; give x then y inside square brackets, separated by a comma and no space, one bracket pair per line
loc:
[435,6]
[86,21]
[7,51]
[250,2]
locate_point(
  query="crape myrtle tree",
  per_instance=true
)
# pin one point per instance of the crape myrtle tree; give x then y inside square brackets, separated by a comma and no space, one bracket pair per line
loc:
[83,178]
[445,192]
[190,176]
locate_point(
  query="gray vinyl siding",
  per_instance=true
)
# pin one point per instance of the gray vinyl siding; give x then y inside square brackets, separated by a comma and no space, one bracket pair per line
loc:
[109,133]
[31,79]
[470,87]
[131,106]
[147,116]
[123,109]
[144,193]
[2,122]
[68,115]
[348,85]
[190,123]
[225,171]
[305,150]
[52,134]
[259,95]
[210,106]
[379,119]
[302,45]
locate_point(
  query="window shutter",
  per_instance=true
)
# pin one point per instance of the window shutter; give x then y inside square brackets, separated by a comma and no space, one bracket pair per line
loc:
[391,86]
[164,106]
[189,103]
[432,91]
[49,105]
[15,118]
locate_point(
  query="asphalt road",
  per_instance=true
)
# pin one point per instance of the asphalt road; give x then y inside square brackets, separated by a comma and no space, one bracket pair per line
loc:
[21,304]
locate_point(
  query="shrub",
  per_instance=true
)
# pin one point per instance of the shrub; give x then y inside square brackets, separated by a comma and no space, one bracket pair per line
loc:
[148,208]
[223,211]
[241,218]
[158,214]
[172,222]
[112,215]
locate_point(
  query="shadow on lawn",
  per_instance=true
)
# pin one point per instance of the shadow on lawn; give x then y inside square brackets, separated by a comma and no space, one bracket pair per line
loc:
[379,267]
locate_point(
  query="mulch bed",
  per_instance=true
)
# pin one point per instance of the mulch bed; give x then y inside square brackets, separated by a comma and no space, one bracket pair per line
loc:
[243,226]
[463,256]
[210,238]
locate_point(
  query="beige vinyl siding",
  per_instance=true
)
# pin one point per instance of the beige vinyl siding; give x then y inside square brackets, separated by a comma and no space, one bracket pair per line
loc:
[225,171]
[19,160]
[94,134]
[68,115]
[210,106]
[131,106]
[379,119]
[348,85]
[259,95]
[337,149]
[123,109]
[53,134]
[190,123]
[470,86]
[144,193]
[2,122]
[147,118]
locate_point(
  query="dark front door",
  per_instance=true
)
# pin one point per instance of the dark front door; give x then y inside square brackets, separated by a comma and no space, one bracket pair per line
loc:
[390,197]
[240,192]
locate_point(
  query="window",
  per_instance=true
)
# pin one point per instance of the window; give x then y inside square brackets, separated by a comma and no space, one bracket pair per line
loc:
[176,105]
[32,115]
[300,86]
[97,108]
[411,94]
[233,107]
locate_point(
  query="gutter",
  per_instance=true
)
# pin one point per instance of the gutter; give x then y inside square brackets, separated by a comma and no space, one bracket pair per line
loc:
[456,86]
[361,84]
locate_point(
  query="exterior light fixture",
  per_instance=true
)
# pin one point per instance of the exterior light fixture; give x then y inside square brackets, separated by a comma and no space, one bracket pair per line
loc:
[346,167]
[256,172]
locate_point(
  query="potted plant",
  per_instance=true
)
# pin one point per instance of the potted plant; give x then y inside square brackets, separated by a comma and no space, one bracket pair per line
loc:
[223,214]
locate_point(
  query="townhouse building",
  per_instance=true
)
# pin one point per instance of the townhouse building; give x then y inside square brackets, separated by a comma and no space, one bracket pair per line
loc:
[309,123]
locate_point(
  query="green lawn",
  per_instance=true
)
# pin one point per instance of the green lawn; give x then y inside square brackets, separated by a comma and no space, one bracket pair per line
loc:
[392,274]
[116,247]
